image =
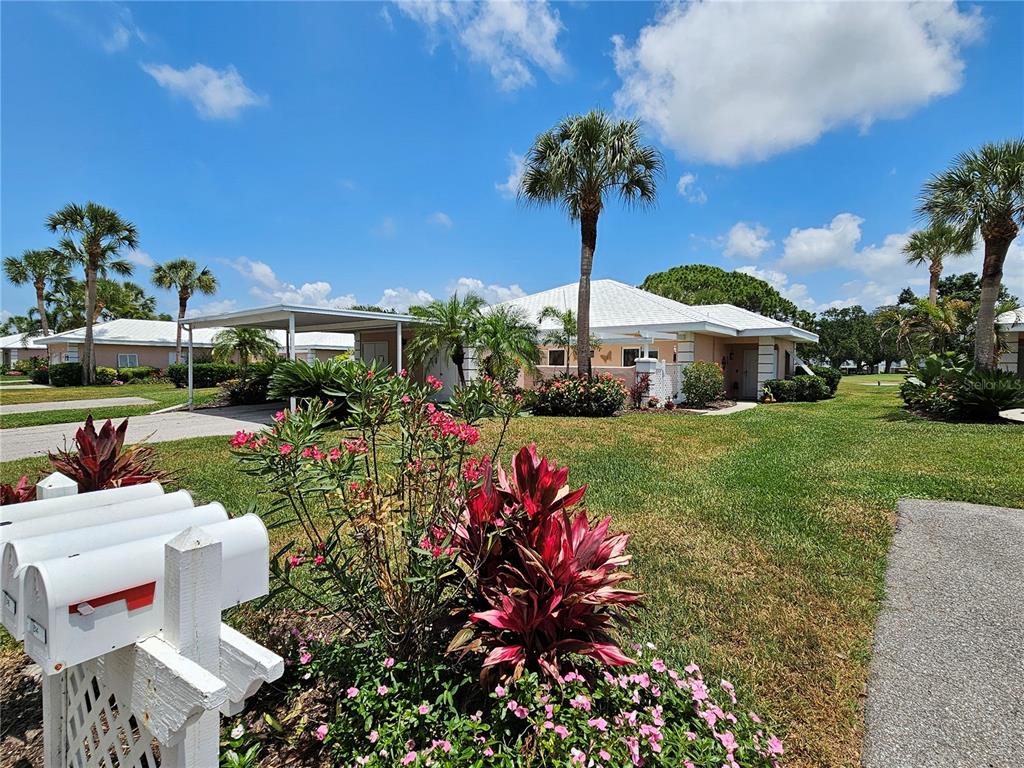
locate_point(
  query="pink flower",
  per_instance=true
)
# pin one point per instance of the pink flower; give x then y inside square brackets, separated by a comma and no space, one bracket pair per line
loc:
[294,561]
[305,657]
[598,722]
[285,449]
[389,662]
[562,731]
[279,416]
[658,665]
[728,741]
[754,717]
[499,691]
[424,709]
[775,746]
[352,692]
[579,701]
[434,382]
[240,439]
[488,752]
[321,733]
[374,736]
[406,399]
[382,690]
[410,757]
[318,560]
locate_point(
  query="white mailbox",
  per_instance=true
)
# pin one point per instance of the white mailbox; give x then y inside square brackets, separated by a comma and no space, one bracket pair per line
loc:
[31,510]
[81,607]
[17,554]
[109,513]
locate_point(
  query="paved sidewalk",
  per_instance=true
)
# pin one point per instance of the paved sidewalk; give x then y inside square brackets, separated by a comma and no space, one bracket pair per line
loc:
[947,674]
[155,428]
[70,405]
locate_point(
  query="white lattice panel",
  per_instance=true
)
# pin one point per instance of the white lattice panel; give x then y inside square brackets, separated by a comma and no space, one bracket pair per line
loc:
[99,733]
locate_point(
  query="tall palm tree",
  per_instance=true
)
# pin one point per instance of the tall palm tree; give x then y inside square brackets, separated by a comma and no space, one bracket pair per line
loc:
[578,165]
[930,246]
[247,344]
[40,268]
[506,342]
[184,276]
[983,191]
[450,328]
[93,237]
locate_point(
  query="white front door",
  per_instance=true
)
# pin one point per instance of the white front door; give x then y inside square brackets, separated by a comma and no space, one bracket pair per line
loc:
[748,377]
[375,350]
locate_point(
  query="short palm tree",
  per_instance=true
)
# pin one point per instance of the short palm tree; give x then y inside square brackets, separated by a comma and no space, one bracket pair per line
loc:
[40,268]
[246,344]
[564,334]
[578,165]
[983,191]
[185,277]
[930,246]
[94,237]
[449,328]
[506,343]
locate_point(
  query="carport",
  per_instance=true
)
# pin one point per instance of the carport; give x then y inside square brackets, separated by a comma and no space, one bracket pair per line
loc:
[381,327]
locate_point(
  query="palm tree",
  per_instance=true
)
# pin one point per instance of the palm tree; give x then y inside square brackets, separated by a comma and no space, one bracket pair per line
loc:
[930,246]
[247,344]
[101,234]
[38,267]
[983,191]
[577,165]
[184,276]
[506,342]
[450,328]
[564,335]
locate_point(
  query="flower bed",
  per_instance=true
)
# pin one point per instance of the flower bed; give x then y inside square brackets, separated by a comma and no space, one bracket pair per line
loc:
[568,395]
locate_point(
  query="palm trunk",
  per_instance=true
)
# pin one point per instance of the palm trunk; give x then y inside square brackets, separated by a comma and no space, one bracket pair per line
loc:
[459,357]
[991,280]
[182,305]
[41,306]
[935,272]
[88,372]
[588,236]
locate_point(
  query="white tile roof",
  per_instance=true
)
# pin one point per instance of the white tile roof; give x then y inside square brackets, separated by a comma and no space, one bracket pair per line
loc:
[161,333]
[1014,319]
[615,306]
[21,341]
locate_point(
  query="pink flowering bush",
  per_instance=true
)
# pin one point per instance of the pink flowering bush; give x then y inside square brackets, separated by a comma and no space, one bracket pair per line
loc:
[568,395]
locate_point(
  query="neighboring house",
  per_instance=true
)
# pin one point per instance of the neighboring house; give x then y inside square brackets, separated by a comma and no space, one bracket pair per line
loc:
[633,324]
[1011,330]
[20,346]
[129,343]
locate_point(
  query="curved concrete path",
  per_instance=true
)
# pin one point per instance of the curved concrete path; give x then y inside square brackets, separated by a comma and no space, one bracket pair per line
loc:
[947,677]
[71,405]
[22,442]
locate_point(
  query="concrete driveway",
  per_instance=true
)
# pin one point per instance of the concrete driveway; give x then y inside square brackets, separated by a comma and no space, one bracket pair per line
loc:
[947,674]
[156,428]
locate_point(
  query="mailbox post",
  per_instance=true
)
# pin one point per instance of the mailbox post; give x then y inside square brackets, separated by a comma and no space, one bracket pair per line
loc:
[138,664]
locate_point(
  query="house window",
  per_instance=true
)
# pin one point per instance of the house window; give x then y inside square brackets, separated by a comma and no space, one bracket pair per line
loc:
[556,357]
[630,354]
[71,356]
[172,356]
[127,360]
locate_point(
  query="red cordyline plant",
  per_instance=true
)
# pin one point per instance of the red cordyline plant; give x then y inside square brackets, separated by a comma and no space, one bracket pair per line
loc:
[547,581]
[15,494]
[102,461]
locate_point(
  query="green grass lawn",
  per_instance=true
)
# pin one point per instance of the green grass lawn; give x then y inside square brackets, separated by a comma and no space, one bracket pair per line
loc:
[164,394]
[14,380]
[759,537]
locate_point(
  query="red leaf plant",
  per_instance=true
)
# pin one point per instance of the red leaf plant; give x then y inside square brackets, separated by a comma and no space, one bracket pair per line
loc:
[102,461]
[15,494]
[546,581]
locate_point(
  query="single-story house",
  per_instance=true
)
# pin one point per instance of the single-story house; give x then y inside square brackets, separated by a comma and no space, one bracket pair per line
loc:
[1011,328]
[21,346]
[126,343]
[632,324]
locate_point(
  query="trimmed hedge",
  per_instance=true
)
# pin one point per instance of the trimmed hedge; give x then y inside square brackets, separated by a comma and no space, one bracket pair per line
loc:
[203,374]
[799,389]
[40,376]
[105,375]
[66,374]
[139,373]
[830,375]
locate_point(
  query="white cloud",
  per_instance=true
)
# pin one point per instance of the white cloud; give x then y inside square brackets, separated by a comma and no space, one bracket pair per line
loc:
[385,16]
[400,299]
[734,82]
[492,293]
[441,219]
[212,308]
[510,37]
[217,94]
[140,259]
[5,315]
[510,187]
[687,187]
[795,292]
[123,32]
[747,241]
[269,288]
[814,248]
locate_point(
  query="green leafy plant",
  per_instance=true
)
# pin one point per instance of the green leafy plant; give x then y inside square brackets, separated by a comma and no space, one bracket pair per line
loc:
[302,380]
[105,375]
[252,386]
[569,395]
[799,389]
[702,383]
[65,374]
[832,376]
[203,374]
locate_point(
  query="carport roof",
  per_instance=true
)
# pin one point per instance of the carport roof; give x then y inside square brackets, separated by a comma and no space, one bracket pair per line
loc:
[306,319]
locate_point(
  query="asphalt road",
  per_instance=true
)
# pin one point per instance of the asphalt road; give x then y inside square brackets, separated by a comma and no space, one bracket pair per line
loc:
[946,688]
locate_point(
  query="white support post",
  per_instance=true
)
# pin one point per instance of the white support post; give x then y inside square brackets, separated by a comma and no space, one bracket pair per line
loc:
[190,355]
[55,739]
[192,605]
[398,348]
[291,349]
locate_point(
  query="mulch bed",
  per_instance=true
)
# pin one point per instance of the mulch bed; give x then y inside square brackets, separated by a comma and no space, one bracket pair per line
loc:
[21,712]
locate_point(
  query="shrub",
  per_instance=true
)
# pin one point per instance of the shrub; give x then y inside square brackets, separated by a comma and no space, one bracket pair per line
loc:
[251,387]
[639,389]
[41,375]
[571,395]
[950,387]
[15,494]
[653,402]
[139,373]
[831,376]
[105,375]
[669,405]
[703,382]
[203,374]
[101,460]
[799,389]
[65,374]
[326,380]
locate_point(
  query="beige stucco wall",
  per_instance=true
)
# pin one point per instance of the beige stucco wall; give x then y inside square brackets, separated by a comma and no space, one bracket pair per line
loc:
[610,355]
[106,354]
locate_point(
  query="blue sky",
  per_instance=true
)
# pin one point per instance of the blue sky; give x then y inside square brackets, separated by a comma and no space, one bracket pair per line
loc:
[327,153]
